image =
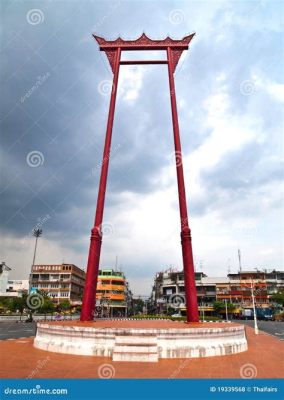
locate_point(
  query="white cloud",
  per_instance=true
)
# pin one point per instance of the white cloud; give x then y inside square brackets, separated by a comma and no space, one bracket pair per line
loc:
[130,82]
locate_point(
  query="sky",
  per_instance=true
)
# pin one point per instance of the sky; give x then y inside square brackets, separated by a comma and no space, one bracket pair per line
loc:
[56,85]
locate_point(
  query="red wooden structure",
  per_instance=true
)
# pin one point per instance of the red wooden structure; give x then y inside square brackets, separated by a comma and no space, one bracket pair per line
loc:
[113,49]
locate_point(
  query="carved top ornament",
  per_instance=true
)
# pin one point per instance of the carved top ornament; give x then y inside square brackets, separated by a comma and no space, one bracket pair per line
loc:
[144,43]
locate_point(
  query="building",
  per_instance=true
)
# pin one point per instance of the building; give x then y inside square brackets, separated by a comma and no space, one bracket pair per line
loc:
[61,282]
[168,290]
[113,297]
[16,287]
[11,287]
[4,277]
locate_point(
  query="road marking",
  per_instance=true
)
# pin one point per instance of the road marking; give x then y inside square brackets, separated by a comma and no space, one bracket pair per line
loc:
[271,334]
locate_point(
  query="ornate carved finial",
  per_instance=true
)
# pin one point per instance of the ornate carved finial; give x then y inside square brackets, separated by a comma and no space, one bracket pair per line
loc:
[144,43]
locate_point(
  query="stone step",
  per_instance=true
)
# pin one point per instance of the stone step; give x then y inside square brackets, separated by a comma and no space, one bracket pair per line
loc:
[132,357]
[135,348]
[131,339]
[141,348]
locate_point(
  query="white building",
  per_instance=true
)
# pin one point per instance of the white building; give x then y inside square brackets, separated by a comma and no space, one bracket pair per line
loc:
[4,277]
[16,287]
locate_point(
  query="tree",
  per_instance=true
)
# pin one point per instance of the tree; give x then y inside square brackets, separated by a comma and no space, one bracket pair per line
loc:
[18,304]
[64,305]
[138,305]
[231,308]
[47,306]
[278,297]
[218,306]
[39,302]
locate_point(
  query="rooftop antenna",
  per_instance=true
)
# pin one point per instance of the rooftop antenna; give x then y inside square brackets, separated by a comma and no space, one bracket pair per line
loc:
[116,263]
[240,261]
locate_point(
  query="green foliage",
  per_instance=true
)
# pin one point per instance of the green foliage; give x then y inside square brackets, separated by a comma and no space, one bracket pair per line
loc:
[138,305]
[278,297]
[64,305]
[147,316]
[47,306]
[220,306]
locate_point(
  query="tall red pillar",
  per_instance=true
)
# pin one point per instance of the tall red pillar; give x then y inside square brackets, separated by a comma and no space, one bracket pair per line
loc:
[188,266]
[89,298]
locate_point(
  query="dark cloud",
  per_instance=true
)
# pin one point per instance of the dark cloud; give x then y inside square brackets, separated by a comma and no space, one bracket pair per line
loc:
[51,105]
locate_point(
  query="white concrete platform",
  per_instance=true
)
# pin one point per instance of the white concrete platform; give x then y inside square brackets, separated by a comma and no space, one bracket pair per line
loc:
[141,344]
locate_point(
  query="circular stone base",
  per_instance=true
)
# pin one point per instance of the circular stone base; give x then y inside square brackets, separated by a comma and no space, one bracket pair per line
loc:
[134,340]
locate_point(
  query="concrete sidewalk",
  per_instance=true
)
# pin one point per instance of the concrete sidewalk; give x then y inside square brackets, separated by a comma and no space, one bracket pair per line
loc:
[264,359]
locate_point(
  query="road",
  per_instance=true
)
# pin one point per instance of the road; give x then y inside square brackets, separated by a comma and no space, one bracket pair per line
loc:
[271,327]
[16,330]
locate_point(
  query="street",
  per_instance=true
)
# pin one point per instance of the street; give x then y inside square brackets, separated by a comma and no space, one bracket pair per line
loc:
[273,328]
[16,330]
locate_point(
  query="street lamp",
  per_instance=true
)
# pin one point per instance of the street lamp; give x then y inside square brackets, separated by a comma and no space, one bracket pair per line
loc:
[254,310]
[226,307]
[36,233]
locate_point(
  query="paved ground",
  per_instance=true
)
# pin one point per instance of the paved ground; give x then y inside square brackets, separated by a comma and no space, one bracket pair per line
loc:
[262,360]
[271,327]
[13,330]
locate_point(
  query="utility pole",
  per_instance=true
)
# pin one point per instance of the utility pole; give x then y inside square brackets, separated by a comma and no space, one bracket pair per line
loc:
[36,233]
[226,307]
[240,261]
[229,271]
[254,309]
